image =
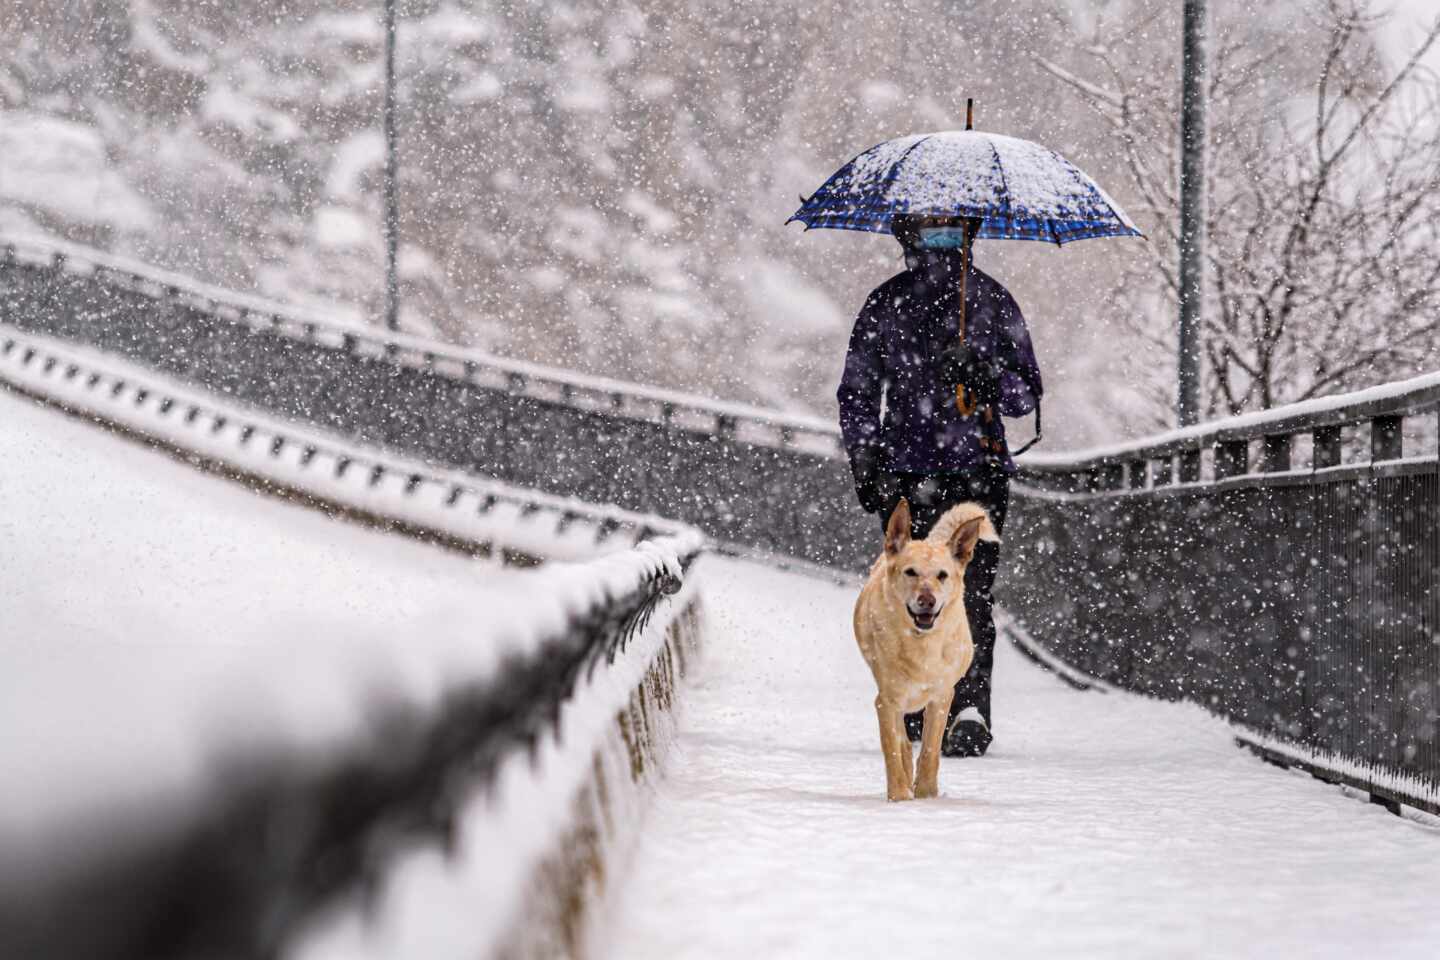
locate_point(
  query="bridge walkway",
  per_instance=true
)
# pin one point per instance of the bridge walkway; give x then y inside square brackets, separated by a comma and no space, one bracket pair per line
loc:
[1100,825]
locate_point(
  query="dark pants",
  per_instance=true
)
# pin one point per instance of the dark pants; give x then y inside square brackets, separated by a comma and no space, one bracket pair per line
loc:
[930,495]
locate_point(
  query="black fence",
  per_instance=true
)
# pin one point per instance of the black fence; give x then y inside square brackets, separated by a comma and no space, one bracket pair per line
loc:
[743,476]
[1282,571]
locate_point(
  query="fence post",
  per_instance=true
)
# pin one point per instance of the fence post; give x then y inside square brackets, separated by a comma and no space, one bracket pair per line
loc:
[1190,466]
[1386,441]
[1112,476]
[1162,471]
[1139,473]
[1327,447]
[1232,459]
[1277,453]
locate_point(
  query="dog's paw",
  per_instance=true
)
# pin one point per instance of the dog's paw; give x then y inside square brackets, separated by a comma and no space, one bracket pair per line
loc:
[895,796]
[927,791]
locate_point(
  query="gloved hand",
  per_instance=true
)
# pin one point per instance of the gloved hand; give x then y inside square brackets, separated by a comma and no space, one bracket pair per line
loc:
[962,366]
[871,482]
[982,378]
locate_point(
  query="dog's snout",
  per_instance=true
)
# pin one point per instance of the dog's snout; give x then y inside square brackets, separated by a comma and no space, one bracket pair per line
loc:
[926,600]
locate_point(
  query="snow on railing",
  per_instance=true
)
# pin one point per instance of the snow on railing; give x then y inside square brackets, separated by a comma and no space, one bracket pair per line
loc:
[588,393]
[512,750]
[1362,428]
[472,513]
[465,764]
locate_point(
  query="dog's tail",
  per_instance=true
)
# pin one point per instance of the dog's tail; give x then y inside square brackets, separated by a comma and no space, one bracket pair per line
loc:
[945,527]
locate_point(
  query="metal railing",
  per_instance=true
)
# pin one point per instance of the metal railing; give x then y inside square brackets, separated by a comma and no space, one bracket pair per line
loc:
[374,487]
[282,838]
[645,450]
[278,836]
[1282,570]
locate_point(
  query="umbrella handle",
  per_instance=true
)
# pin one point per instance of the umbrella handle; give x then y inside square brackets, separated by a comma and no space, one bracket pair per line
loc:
[965,405]
[967,409]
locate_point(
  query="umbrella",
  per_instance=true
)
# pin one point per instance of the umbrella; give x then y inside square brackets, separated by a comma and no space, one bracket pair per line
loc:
[992,185]
[1016,189]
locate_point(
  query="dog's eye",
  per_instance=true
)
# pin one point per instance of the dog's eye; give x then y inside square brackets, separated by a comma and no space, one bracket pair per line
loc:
[944,574]
[910,572]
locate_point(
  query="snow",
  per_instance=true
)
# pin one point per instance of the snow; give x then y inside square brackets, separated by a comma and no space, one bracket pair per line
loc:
[356,156]
[117,672]
[1098,825]
[643,207]
[1252,423]
[458,907]
[61,167]
[247,625]
[881,95]
[483,86]
[109,662]
[138,399]
[223,104]
[341,227]
[148,34]
[942,173]
[800,308]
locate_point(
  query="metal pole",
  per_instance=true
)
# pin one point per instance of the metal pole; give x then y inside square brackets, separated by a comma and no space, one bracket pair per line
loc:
[392,214]
[1192,211]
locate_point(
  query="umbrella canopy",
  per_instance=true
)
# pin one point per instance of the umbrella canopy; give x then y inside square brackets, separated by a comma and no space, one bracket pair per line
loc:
[1018,190]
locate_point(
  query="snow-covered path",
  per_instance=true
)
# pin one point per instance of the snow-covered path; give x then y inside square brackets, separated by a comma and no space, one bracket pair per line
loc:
[1100,825]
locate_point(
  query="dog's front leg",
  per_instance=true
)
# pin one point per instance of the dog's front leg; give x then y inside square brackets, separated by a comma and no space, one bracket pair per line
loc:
[896,747]
[937,713]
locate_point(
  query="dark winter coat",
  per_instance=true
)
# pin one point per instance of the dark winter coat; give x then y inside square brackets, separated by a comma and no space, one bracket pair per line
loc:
[895,411]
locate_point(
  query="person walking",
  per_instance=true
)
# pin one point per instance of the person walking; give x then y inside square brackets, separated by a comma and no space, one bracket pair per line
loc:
[921,413]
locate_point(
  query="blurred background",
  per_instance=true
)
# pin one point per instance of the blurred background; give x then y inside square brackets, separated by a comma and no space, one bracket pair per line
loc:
[603,185]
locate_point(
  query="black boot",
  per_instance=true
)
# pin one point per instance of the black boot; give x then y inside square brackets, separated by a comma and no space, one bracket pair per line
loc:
[914,725]
[968,736]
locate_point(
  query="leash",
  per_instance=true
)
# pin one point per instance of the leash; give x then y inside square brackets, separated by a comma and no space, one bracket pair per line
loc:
[1035,439]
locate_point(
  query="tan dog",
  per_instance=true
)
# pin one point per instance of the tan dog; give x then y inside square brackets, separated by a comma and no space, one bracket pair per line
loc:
[912,630]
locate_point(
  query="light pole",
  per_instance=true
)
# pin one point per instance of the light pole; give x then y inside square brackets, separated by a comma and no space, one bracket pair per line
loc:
[1192,211]
[392,214]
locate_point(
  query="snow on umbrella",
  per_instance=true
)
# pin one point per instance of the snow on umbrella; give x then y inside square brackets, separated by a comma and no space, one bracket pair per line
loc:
[1016,189]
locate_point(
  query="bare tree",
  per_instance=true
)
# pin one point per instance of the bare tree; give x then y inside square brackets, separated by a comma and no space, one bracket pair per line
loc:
[1324,213]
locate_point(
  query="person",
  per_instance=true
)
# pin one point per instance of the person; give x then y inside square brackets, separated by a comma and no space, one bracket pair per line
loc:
[921,414]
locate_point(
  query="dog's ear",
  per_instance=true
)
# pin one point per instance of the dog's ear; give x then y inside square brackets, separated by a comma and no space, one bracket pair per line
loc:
[966,535]
[897,531]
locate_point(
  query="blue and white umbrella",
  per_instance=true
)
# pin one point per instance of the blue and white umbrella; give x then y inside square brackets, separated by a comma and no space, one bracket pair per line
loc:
[1016,189]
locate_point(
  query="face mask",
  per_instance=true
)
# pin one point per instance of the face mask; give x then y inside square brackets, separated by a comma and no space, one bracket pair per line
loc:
[942,238]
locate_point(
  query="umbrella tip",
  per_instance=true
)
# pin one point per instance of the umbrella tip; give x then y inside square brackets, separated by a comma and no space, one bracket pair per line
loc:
[969,113]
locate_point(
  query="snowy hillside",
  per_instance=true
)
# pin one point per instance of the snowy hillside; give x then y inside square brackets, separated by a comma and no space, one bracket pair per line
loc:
[600,186]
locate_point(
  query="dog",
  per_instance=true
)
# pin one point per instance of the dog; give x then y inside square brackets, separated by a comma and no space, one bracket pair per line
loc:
[912,630]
